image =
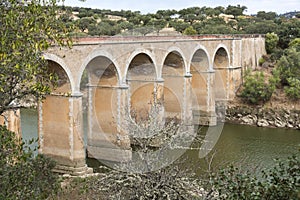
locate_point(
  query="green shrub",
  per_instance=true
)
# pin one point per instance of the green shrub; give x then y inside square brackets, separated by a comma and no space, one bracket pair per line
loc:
[261,61]
[271,42]
[280,182]
[293,90]
[289,65]
[257,89]
[22,175]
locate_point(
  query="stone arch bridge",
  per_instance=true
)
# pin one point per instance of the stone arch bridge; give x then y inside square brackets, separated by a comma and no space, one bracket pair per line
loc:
[114,76]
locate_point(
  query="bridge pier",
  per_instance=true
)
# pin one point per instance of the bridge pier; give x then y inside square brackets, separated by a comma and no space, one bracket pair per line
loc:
[107,138]
[203,98]
[11,119]
[61,134]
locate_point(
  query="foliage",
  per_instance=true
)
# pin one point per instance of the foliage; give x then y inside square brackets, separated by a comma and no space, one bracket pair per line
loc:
[280,182]
[22,175]
[266,15]
[293,89]
[288,31]
[256,89]
[289,65]
[190,31]
[235,10]
[27,30]
[261,27]
[271,42]
[261,61]
[295,44]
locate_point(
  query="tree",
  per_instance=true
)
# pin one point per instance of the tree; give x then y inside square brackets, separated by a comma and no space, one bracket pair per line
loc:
[190,31]
[262,27]
[256,90]
[289,65]
[235,10]
[288,30]
[84,23]
[179,26]
[266,15]
[271,42]
[26,31]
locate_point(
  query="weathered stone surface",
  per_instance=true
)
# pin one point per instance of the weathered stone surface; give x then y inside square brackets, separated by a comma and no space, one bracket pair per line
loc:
[262,123]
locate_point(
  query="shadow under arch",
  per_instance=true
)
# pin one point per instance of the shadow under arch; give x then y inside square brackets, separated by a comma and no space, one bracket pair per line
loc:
[100,84]
[141,78]
[61,67]
[201,88]
[221,62]
[148,55]
[92,56]
[173,72]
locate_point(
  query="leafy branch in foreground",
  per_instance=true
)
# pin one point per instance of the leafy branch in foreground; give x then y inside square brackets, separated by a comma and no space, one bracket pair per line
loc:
[26,31]
[22,175]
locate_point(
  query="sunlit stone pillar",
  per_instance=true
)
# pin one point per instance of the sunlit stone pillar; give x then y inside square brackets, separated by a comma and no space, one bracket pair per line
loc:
[12,120]
[211,106]
[188,100]
[61,133]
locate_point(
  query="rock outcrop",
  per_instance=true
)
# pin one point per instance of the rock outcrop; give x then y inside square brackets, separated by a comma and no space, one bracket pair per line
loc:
[263,117]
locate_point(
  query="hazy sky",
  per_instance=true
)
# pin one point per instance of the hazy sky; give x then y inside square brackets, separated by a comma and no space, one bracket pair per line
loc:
[151,6]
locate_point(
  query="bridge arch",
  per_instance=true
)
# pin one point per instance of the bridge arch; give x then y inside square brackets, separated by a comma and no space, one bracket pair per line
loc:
[91,57]
[174,51]
[200,69]
[141,77]
[173,71]
[64,67]
[221,54]
[147,54]
[221,65]
[201,56]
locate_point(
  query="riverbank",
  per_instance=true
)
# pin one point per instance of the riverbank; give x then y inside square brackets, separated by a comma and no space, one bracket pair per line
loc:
[279,112]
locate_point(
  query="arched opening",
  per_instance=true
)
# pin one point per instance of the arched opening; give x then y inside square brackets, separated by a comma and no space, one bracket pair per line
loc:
[141,78]
[62,84]
[199,69]
[99,84]
[173,90]
[221,65]
[50,114]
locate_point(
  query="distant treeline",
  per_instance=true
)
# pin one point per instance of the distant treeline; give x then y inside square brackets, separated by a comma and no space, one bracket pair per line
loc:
[189,21]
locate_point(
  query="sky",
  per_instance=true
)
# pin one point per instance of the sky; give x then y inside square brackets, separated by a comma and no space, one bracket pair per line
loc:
[151,6]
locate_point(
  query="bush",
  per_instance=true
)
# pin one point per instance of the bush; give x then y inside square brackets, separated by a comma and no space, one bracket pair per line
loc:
[293,90]
[22,175]
[271,42]
[256,89]
[289,65]
[280,182]
[261,61]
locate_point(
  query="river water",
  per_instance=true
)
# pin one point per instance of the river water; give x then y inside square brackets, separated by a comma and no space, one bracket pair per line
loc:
[250,148]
